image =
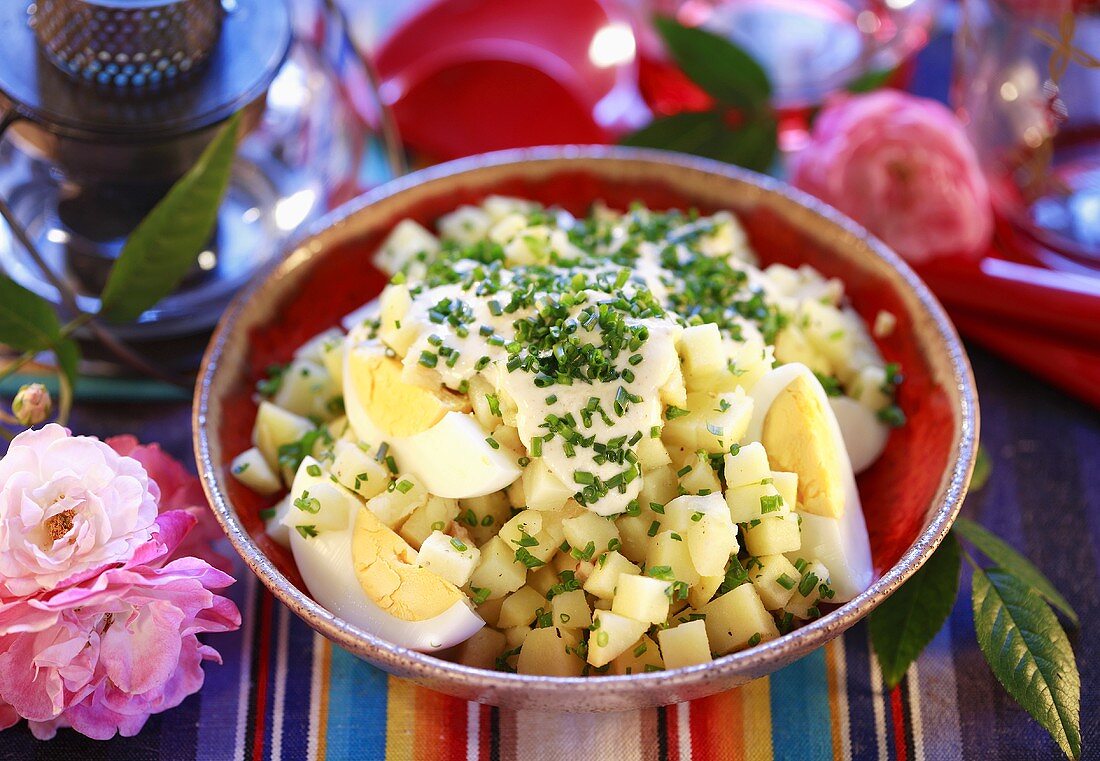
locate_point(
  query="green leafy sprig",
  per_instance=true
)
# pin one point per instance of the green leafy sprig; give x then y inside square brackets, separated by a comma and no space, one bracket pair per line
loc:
[155,258]
[740,128]
[1017,629]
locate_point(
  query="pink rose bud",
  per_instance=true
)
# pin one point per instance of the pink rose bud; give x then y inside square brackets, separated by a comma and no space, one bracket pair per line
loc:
[902,167]
[32,404]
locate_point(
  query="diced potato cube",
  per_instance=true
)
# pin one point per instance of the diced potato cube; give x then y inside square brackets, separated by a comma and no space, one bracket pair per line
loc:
[396,331]
[314,349]
[434,515]
[642,598]
[634,533]
[674,391]
[775,579]
[774,534]
[605,576]
[736,618]
[506,228]
[684,645]
[482,397]
[701,351]
[813,576]
[332,358]
[276,427]
[483,516]
[358,471]
[552,520]
[404,244]
[527,522]
[829,329]
[745,501]
[542,579]
[525,535]
[714,422]
[611,635]
[659,485]
[550,652]
[669,550]
[726,423]
[482,650]
[252,470]
[700,594]
[748,466]
[640,658]
[516,636]
[498,571]
[490,610]
[317,500]
[515,494]
[793,345]
[868,388]
[701,478]
[652,454]
[466,224]
[544,490]
[404,494]
[508,437]
[565,562]
[521,607]
[753,359]
[307,390]
[449,557]
[571,611]
[589,528]
[274,524]
[499,207]
[711,540]
[787,486]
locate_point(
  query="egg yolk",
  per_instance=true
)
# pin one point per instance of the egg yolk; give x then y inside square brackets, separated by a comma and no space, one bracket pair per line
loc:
[386,568]
[396,407]
[798,439]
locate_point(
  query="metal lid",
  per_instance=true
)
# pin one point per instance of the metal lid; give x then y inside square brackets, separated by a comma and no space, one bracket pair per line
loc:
[255,39]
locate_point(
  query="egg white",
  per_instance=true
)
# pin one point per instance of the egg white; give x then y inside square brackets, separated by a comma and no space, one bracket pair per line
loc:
[841,544]
[327,566]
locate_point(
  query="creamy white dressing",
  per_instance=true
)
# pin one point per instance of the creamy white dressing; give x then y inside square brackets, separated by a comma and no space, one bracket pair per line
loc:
[658,361]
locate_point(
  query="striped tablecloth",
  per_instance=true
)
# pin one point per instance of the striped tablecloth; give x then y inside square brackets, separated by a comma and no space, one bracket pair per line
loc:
[285,693]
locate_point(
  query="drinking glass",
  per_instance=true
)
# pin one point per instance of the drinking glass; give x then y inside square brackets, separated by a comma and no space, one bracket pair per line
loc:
[1027,87]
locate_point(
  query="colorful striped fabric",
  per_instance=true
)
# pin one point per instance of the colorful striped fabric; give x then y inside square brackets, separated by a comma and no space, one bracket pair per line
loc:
[285,693]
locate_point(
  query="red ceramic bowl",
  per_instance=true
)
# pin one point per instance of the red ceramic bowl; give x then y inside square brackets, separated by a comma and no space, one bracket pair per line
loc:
[910,496]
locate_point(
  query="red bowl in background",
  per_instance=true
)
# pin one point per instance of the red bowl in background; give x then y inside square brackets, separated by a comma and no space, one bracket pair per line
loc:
[510,75]
[910,496]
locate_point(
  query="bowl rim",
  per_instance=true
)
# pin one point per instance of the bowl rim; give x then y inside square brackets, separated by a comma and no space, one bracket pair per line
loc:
[747,663]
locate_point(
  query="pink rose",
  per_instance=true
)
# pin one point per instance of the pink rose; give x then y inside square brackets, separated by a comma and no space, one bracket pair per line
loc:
[69,505]
[179,490]
[902,167]
[103,655]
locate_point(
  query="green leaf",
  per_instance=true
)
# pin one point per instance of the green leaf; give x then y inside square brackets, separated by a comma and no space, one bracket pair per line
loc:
[159,253]
[68,356]
[983,468]
[871,80]
[27,321]
[706,133]
[724,70]
[1030,655]
[908,620]
[1012,561]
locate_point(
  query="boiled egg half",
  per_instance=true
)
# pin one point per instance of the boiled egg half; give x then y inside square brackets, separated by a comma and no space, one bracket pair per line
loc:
[792,418]
[431,433]
[362,571]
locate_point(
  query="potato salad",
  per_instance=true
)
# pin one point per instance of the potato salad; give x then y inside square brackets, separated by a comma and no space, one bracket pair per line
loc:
[578,446]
